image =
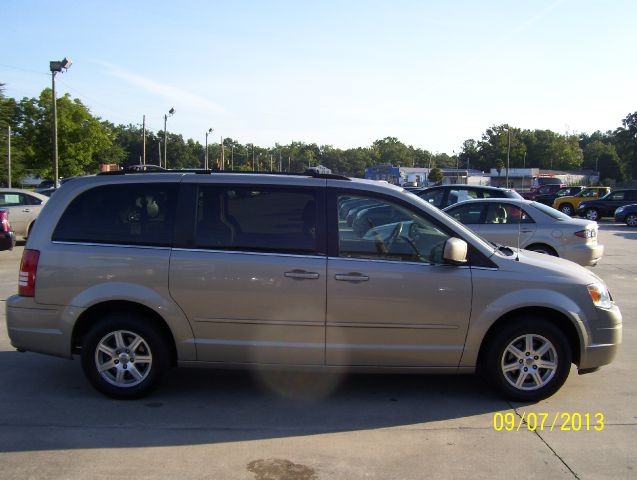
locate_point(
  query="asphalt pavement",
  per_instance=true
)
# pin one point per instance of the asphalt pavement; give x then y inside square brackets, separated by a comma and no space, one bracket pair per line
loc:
[206,424]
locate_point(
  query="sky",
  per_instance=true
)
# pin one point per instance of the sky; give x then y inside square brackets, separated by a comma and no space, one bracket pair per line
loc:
[342,73]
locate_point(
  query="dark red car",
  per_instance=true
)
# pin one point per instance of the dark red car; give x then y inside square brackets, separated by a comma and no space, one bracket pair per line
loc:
[7,237]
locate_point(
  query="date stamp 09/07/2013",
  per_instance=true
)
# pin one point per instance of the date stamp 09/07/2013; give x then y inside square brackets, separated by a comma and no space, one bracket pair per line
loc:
[543,421]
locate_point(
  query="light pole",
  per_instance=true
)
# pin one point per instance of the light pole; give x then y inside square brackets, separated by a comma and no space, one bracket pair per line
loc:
[210,130]
[56,67]
[170,112]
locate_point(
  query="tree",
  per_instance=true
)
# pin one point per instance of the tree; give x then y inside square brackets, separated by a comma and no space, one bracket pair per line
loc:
[470,156]
[435,175]
[625,139]
[82,138]
[602,157]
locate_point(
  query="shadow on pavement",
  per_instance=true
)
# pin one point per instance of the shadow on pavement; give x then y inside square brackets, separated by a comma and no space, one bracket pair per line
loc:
[46,404]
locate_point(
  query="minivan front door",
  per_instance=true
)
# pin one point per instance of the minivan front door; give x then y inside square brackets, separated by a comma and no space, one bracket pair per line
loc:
[390,299]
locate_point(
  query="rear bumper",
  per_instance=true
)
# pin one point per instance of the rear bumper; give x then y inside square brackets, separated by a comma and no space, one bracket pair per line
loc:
[586,255]
[7,241]
[38,328]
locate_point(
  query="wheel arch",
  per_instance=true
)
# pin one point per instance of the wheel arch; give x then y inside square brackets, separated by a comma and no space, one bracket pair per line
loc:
[97,311]
[541,244]
[557,318]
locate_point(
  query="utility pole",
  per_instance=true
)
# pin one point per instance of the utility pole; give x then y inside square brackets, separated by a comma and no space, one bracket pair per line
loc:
[170,112]
[56,67]
[508,155]
[8,156]
[159,153]
[223,155]
[144,140]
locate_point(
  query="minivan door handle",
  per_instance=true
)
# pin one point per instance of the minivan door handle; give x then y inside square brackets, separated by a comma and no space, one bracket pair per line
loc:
[301,275]
[351,277]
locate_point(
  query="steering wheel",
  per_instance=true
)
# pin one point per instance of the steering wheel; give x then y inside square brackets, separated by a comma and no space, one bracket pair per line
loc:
[398,229]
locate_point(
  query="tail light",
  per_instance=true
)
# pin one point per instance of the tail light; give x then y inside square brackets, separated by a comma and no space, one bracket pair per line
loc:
[5,221]
[588,233]
[28,269]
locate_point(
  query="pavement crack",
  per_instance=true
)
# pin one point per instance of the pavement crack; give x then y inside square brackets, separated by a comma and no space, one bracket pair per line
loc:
[575,475]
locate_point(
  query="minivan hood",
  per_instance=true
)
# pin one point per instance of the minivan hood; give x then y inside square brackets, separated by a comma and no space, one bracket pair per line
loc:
[539,265]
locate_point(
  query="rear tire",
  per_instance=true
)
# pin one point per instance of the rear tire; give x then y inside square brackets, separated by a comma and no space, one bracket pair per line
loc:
[592,214]
[567,209]
[527,360]
[541,248]
[123,356]
[631,220]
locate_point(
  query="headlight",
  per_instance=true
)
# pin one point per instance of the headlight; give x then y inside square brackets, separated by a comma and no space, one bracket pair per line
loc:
[599,295]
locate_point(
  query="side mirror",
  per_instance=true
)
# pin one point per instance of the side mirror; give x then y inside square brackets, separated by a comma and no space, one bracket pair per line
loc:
[455,251]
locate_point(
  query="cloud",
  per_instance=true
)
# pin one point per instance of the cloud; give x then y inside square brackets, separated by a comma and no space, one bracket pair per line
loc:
[534,19]
[174,94]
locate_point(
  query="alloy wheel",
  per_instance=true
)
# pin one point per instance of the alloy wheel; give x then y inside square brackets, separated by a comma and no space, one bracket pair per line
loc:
[123,358]
[529,362]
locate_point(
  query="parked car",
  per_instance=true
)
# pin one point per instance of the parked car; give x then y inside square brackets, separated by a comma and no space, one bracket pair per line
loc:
[23,206]
[442,196]
[606,206]
[548,189]
[569,204]
[627,214]
[539,182]
[7,237]
[137,272]
[532,226]
[549,198]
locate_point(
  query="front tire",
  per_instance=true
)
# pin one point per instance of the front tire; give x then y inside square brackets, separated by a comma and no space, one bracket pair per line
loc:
[123,356]
[527,360]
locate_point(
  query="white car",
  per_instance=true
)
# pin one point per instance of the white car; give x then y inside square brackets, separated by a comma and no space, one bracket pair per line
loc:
[532,226]
[24,207]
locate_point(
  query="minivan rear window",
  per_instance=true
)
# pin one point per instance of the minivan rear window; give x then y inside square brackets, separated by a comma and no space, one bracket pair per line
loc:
[125,214]
[263,219]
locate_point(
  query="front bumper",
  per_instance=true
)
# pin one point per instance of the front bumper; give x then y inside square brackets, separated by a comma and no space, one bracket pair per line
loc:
[603,340]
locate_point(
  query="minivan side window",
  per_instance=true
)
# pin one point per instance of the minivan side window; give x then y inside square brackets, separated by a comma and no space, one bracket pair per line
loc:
[260,219]
[382,230]
[126,214]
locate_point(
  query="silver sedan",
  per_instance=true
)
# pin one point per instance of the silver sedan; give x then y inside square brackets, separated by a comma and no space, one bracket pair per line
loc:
[532,226]
[23,206]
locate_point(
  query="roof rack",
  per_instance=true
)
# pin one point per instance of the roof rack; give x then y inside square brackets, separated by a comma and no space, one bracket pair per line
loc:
[134,169]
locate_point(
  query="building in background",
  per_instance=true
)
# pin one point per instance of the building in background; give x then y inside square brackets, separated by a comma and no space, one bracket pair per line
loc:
[419,176]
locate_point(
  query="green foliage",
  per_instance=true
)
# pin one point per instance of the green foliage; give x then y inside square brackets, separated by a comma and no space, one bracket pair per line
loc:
[85,141]
[435,175]
[625,139]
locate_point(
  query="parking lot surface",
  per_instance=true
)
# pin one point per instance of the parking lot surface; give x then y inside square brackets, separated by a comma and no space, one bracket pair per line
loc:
[206,424]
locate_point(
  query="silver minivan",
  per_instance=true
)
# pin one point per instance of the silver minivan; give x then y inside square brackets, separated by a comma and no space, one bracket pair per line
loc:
[138,272]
